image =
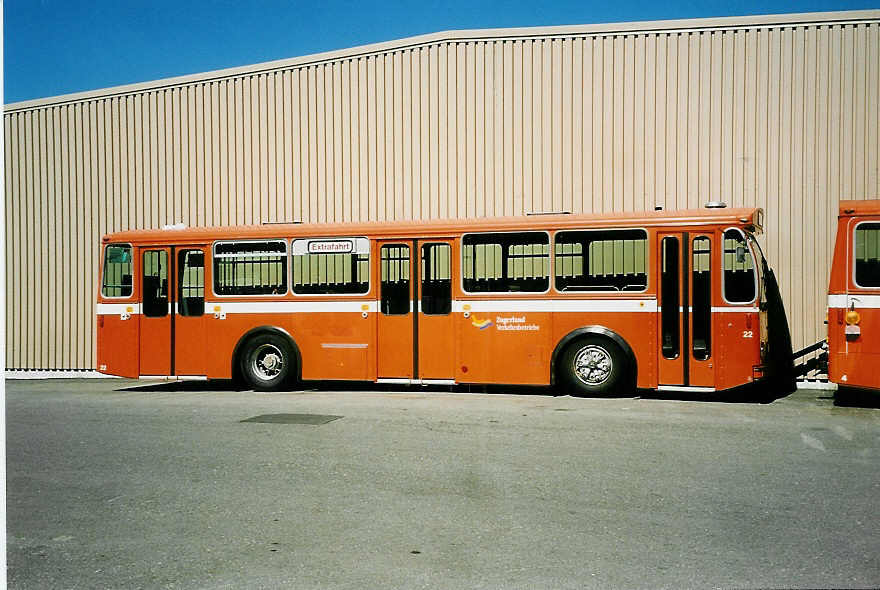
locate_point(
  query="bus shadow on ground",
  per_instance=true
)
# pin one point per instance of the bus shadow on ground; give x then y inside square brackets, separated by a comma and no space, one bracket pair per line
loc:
[846,397]
[746,394]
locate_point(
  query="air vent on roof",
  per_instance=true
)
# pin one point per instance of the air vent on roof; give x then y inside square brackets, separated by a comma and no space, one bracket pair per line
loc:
[174,226]
[716,205]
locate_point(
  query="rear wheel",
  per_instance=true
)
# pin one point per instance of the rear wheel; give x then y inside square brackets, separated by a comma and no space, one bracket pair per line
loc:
[592,365]
[266,362]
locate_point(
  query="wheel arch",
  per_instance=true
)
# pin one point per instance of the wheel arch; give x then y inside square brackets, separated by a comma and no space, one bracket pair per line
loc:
[593,331]
[277,331]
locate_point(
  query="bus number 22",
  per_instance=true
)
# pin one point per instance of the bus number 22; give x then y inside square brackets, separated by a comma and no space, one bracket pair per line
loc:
[748,334]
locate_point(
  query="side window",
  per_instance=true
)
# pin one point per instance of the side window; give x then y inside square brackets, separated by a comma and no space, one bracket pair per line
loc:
[506,263]
[436,278]
[321,268]
[116,281]
[740,282]
[601,260]
[155,283]
[394,279]
[191,282]
[866,255]
[250,268]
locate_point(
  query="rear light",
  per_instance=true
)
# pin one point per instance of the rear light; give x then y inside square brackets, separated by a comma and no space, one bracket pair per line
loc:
[852,330]
[853,317]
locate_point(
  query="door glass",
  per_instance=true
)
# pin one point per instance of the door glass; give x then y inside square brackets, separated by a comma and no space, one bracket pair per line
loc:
[702,297]
[191,282]
[155,283]
[436,279]
[394,279]
[669,294]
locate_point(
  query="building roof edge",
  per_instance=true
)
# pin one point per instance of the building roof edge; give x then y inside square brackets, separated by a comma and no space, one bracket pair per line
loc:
[451,36]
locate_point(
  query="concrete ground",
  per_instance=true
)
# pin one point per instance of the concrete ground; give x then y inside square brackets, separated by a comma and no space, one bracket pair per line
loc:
[121,484]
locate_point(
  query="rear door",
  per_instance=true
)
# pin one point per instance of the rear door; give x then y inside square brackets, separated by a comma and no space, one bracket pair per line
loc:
[435,325]
[685,354]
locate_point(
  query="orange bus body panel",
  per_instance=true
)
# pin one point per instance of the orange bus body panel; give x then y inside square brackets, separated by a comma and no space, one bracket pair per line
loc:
[487,338]
[853,359]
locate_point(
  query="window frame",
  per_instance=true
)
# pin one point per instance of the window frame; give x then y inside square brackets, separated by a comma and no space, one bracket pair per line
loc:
[754,268]
[852,249]
[214,293]
[515,293]
[354,239]
[604,291]
[134,269]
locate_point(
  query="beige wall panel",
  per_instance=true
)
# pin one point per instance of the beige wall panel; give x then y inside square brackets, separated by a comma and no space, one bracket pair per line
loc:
[782,117]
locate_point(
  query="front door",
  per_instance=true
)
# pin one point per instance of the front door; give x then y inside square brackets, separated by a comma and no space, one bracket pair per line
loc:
[156,316]
[172,335]
[395,332]
[685,356]
[189,317]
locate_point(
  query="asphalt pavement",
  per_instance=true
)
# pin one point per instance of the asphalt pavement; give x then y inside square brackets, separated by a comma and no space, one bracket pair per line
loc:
[124,484]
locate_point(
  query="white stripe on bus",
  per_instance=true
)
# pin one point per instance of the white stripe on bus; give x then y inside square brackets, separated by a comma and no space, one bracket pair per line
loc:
[860,300]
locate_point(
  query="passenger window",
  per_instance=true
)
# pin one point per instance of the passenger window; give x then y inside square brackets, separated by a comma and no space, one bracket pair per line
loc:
[331,267]
[740,283]
[436,278]
[155,284]
[701,275]
[601,260]
[394,279]
[506,263]
[191,282]
[117,271]
[250,268]
[867,255]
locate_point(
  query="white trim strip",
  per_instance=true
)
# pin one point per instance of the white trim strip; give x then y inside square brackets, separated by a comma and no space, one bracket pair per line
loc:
[356,306]
[388,381]
[683,388]
[343,345]
[117,308]
[438,381]
[861,301]
[175,377]
[555,305]
[458,306]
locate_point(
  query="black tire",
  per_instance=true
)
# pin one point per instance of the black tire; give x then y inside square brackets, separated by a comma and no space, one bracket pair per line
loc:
[266,362]
[592,366]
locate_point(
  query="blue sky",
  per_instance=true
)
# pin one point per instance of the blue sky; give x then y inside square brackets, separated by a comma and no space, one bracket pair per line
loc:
[55,47]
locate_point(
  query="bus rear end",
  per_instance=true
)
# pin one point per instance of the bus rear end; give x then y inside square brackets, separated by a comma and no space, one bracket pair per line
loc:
[854,297]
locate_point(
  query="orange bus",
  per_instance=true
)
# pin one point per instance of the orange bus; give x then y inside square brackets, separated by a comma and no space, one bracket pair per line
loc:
[854,297]
[669,300]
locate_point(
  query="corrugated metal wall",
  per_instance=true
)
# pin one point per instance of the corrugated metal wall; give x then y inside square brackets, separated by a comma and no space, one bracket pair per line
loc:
[781,116]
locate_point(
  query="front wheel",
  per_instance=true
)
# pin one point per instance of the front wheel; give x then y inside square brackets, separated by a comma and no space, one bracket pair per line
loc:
[266,362]
[592,366]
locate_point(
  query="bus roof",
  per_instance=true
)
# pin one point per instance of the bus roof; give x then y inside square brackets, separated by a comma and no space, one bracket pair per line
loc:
[851,208]
[741,217]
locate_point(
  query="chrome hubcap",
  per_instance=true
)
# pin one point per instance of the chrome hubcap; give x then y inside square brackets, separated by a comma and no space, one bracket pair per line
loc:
[593,365]
[268,362]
